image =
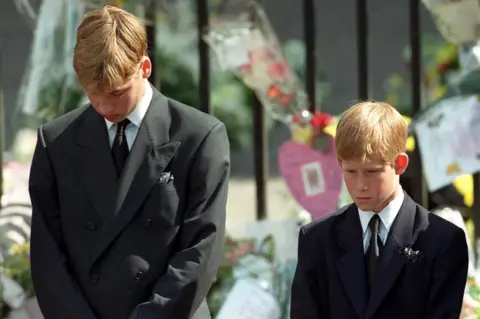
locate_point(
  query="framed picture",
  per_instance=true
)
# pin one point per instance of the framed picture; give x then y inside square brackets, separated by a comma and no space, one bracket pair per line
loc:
[313,179]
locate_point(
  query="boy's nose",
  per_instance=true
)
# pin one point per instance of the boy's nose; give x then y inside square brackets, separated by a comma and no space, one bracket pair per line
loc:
[362,186]
[106,108]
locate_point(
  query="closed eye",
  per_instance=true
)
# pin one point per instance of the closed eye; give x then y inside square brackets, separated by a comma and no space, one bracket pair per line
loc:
[117,93]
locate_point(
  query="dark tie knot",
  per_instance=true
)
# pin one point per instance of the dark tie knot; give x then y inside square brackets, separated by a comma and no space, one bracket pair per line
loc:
[374,224]
[122,125]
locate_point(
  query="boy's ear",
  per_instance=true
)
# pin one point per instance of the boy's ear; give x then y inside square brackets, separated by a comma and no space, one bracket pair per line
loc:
[146,67]
[401,163]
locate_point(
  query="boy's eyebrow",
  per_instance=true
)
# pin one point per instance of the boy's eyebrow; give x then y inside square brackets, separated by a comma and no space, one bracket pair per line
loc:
[117,91]
[374,168]
[120,90]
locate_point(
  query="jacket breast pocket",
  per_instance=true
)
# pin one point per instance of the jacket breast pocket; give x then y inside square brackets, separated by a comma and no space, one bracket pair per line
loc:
[160,187]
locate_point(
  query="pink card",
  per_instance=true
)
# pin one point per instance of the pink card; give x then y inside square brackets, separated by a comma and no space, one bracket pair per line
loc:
[313,177]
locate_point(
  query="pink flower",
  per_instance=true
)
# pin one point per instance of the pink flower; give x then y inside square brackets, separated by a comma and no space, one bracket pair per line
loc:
[278,69]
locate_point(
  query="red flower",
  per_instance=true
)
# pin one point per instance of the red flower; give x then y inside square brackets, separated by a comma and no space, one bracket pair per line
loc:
[320,120]
[274,92]
[442,68]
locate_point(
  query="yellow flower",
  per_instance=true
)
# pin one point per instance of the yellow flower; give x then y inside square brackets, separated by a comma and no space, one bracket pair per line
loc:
[392,98]
[438,92]
[19,249]
[395,81]
[431,74]
[446,54]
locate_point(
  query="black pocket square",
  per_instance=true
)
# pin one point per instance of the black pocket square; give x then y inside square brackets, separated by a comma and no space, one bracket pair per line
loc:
[164,178]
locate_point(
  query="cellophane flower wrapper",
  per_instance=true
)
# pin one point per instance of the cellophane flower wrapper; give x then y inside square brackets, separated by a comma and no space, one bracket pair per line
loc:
[457,21]
[50,81]
[245,43]
[461,82]
[471,300]
[259,266]
[50,86]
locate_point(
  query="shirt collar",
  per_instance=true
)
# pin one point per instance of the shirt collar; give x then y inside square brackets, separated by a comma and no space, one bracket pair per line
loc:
[136,117]
[387,215]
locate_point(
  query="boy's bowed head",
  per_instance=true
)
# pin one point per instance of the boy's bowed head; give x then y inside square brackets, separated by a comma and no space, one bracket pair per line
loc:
[370,144]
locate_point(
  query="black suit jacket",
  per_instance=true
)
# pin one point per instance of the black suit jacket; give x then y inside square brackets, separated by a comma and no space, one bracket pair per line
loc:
[330,280]
[137,247]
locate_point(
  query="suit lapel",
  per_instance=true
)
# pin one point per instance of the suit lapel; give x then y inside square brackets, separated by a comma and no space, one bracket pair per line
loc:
[350,259]
[93,163]
[403,233]
[148,158]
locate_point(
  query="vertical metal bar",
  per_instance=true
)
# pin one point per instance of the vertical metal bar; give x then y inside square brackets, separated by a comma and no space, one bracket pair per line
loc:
[204,56]
[416,63]
[362,49]
[260,154]
[260,157]
[310,51]
[150,23]
[2,127]
[476,215]
[419,192]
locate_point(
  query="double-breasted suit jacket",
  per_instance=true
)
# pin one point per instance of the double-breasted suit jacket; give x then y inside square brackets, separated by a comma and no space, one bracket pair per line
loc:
[138,246]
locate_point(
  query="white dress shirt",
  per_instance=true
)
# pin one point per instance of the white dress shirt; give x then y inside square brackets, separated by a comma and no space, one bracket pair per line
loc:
[387,216]
[136,118]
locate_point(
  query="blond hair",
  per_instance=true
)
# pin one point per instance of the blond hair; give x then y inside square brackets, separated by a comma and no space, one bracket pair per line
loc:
[371,131]
[110,46]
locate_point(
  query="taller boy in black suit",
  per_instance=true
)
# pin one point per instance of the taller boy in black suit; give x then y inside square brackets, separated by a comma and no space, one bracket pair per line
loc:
[128,192]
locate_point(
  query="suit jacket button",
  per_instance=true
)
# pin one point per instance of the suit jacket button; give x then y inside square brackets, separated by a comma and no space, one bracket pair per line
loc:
[147,223]
[139,275]
[94,279]
[91,226]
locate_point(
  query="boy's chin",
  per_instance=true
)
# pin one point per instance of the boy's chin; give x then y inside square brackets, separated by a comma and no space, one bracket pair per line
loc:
[365,206]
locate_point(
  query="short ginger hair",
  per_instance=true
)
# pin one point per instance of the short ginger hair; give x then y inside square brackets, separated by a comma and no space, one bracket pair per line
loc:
[111,43]
[371,131]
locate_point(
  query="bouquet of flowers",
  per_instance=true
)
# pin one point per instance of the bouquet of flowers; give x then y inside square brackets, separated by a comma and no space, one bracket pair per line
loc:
[441,60]
[471,301]
[243,259]
[17,267]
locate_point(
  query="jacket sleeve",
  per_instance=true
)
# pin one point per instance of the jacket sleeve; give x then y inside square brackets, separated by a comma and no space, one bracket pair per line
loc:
[449,279]
[58,294]
[305,300]
[191,270]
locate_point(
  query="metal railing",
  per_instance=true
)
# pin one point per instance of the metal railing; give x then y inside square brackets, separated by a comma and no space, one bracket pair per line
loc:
[418,192]
[259,114]
[2,126]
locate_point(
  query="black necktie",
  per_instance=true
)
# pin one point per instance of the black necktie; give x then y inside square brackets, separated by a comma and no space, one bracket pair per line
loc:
[120,147]
[374,249]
